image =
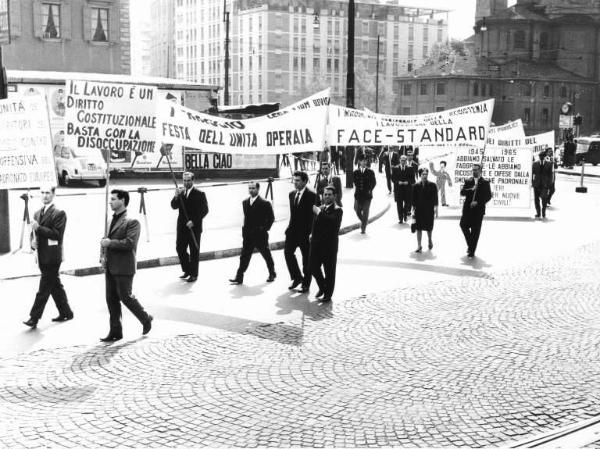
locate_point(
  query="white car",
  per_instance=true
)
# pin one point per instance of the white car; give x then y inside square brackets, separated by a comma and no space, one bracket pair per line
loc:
[79,165]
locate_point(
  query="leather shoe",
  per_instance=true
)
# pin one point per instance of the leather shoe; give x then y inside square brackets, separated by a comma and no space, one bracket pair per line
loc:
[471,255]
[61,318]
[304,289]
[112,337]
[192,279]
[183,276]
[236,281]
[271,277]
[31,323]
[319,294]
[295,284]
[147,325]
[325,299]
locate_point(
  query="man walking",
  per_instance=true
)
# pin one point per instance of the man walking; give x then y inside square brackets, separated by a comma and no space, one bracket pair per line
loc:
[120,265]
[297,234]
[384,162]
[404,178]
[364,183]
[477,193]
[324,244]
[258,219]
[193,207]
[324,179]
[412,163]
[542,172]
[47,239]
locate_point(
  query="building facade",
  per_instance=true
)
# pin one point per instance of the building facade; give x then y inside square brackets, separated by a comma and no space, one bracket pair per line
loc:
[69,35]
[281,51]
[531,58]
[162,40]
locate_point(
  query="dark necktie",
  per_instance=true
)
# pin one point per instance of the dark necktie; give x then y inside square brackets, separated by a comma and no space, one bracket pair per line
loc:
[297,200]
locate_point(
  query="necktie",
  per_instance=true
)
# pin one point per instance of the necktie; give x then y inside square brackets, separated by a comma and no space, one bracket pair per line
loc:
[297,200]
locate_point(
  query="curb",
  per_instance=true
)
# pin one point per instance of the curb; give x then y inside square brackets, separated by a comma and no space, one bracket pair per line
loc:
[570,173]
[209,255]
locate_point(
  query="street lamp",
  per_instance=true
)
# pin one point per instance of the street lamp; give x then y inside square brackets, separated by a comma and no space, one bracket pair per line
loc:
[350,89]
[227,41]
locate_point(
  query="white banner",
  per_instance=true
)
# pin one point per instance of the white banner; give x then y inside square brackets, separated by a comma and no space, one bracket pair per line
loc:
[116,117]
[467,125]
[197,161]
[540,142]
[26,159]
[297,128]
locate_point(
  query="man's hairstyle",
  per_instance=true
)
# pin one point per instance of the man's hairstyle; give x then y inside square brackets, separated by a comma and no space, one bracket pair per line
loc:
[188,173]
[395,159]
[256,184]
[331,188]
[361,157]
[443,162]
[122,195]
[478,164]
[49,187]
[302,175]
[421,170]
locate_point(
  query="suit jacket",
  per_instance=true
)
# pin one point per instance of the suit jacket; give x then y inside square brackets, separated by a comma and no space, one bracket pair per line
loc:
[196,207]
[301,216]
[483,194]
[258,218]
[120,253]
[403,175]
[327,227]
[415,167]
[542,174]
[384,161]
[50,235]
[323,182]
[364,184]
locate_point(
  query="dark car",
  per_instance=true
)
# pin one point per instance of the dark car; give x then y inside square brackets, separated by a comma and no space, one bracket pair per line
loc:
[588,148]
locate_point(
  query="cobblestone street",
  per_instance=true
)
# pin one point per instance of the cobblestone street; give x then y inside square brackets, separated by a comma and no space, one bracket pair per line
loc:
[473,362]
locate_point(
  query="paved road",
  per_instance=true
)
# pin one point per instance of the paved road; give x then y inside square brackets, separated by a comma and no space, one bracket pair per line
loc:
[427,351]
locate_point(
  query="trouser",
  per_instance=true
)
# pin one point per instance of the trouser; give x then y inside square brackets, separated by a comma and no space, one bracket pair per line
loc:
[471,228]
[362,207]
[551,192]
[50,284]
[325,257]
[189,260]
[248,245]
[442,190]
[403,202]
[118,289]
[388,179]
[540,193]
[291,244]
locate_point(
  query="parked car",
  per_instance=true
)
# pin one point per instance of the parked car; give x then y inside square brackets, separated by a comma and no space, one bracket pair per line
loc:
[79,165]
[588,148]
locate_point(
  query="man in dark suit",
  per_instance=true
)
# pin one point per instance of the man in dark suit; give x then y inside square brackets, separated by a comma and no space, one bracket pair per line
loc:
[297,234]
[385,164]
[404,180]
[193,207]
[258,219]
[413,163]
[47,239]
[119,263]
[324,244]
[324,179]
[542,180]
[477,193]
[364,183]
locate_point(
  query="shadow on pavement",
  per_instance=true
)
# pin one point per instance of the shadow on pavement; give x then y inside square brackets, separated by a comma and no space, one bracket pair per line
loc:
[477,263]
[291,301]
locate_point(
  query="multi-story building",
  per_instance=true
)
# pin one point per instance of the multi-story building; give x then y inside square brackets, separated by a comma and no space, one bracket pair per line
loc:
[162,45]
[531,58]
[69,35]
[141,48]
[283,50]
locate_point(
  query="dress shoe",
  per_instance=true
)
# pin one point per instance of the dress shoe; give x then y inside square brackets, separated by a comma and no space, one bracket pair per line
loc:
[419,249]
[537,215]
[112,337]
[147,325]
[192,279]
[304,289]
[60,318]
[183,276]
[236,281]
[31,323]
[271,277]
[295,284]
[319,294]
[471,255]
[430,246]
[325,299]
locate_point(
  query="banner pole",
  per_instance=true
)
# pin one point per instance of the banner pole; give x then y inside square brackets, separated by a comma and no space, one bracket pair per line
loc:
[182,204]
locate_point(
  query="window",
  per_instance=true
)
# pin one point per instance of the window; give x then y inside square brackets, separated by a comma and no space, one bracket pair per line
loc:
[439,108]
[50,21]
[528,90]
[365,45]
[563,92]
[410,67]
[526,115]
[491,90]
[407,89]
[425,51]
[316,64]
[519,40]
[406,110]
[441,88]
[545,116]
[475,89]
[411,32]
[99,25]
[365,27]
[546,90]
[423,89]
[483,89]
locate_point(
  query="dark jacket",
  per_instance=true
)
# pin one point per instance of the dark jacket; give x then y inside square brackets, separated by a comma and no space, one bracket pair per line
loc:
[196,207]
[120,253]
[364,183]
[327,226]
[323,182]
[542,174]
[403,175]
[301,216]
[483,194]
[52,227]
[258,218]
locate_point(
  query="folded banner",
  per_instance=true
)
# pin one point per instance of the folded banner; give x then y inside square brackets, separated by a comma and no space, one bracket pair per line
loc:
[26,159]
[540,142]
[296,128]
[466,125]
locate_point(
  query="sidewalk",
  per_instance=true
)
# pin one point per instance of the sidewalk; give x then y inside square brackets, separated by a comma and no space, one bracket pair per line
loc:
[590,171]
[222,227]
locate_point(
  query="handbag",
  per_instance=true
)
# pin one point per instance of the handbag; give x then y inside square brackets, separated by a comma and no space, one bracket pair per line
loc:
[413,224]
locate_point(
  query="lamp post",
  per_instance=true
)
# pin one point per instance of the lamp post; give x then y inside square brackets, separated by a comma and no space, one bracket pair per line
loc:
[4,217]
[350,89]
[227,41]
[377,79]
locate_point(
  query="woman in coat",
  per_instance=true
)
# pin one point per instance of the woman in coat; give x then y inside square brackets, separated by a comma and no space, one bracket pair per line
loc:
[425,207]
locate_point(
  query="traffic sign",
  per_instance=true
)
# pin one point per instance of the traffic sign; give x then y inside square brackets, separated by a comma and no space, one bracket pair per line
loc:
[565,121]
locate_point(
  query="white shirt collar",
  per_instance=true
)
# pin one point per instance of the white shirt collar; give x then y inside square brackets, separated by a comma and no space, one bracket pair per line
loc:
[252,200]
[300,193]
[48,206]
